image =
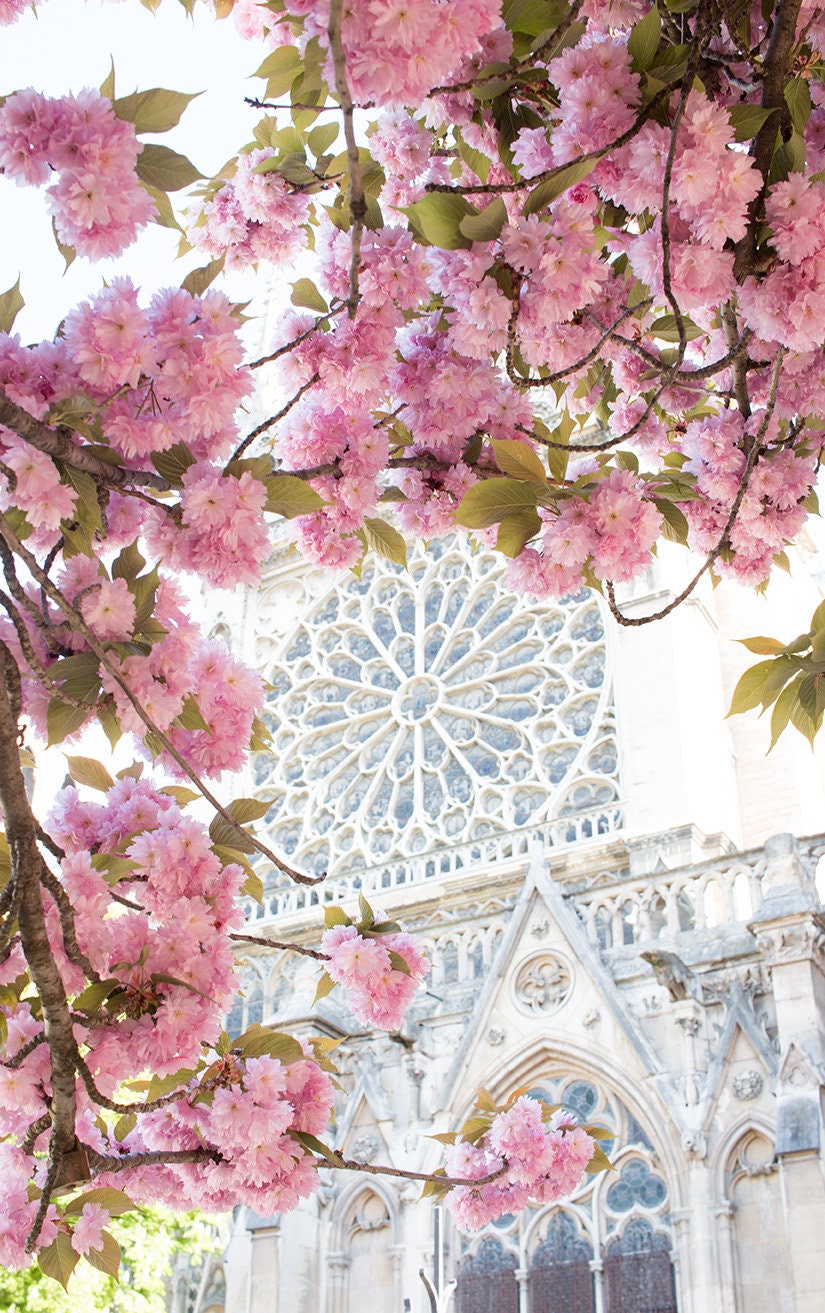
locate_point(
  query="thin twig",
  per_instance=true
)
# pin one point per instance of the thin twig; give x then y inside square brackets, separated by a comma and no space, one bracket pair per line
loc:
[357,199]
[296,341]
[273,419]
[633,622]
[78,624]
[275,943]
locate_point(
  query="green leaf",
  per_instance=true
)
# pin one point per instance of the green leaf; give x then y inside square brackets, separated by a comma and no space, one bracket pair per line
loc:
[488,501]
[162,1085]
[306,294]
[487,226]
[385,540]
[78,676]
[516,530]
[519,460]
[107,1258]
[95,995]
[144,591]
[197,280]
[253,887]
[163,205]
[107,86]
[87,506]
[474,159]
[783,709]
[86,770]
[321,138]
[173,463]
[367,914]
[165,169]
[244,810]
[63,720]
[746,120]
[546,192]
[68,252]
[129,563]
[398,963]
[280,70]
[643,41]
[763,646]
[674,523]
[190,717]
[259,1042]
[289,496]
[11,303]
[798,100]
[157,110]
[599,1162]
[334,914]
[114,1201]
[325,986]
[436,220]
[225,834]
[124,1126]
[58,1260]
[761,684]
[667,330]
[316,1146]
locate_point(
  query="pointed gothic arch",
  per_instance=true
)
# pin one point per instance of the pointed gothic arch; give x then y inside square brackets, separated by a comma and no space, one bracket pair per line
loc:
[487,1279]
[638,1270]
[561,1268]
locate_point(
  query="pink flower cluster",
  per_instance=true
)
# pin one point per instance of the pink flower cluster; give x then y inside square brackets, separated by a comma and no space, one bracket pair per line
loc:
[166,374]
[248,1111]
[398,50]
[98,203]
[153,907]
[378,989]
[773,508]
[531,1159]
[256,216]
[613,533]
[221,535]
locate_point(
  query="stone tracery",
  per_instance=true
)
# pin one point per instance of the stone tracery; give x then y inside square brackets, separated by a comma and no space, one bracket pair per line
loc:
[430,706]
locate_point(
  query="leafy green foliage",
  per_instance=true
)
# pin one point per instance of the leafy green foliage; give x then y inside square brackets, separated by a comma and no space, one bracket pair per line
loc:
[148,1241]
[791,680]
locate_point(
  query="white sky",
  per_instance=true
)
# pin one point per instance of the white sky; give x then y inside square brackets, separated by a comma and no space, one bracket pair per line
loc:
[67,46]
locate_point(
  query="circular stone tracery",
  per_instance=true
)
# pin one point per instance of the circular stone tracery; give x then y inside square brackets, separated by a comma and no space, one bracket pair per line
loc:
[430,706]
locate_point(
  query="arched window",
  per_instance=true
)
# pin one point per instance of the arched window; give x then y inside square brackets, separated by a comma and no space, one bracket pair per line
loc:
[638,1273]
[686,912]
[762,1262]
[487,1280]
[370,1278]
[561,1280]
[477,959]
[604,928]
[657,916]
[628,912]
[449,964]
[248,1006]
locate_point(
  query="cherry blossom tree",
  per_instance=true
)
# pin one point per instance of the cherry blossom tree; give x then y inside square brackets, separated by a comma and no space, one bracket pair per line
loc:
[568,294]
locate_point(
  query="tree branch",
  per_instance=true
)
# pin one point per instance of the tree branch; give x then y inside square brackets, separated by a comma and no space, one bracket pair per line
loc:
[57,444]
[357,199]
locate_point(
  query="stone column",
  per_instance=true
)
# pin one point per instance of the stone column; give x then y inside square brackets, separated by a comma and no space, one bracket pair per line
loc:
[723,1216]
[790,931]
[338,1265]
[597,1268]
[523,1278]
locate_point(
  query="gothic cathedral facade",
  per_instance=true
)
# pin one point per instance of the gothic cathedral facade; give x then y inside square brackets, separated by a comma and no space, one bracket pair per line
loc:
[618,891]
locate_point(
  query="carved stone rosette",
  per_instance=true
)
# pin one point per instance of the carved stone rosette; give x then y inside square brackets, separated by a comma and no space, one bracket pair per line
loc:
[543,984]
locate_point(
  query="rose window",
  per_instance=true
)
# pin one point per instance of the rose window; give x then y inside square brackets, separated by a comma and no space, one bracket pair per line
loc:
[429,706]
